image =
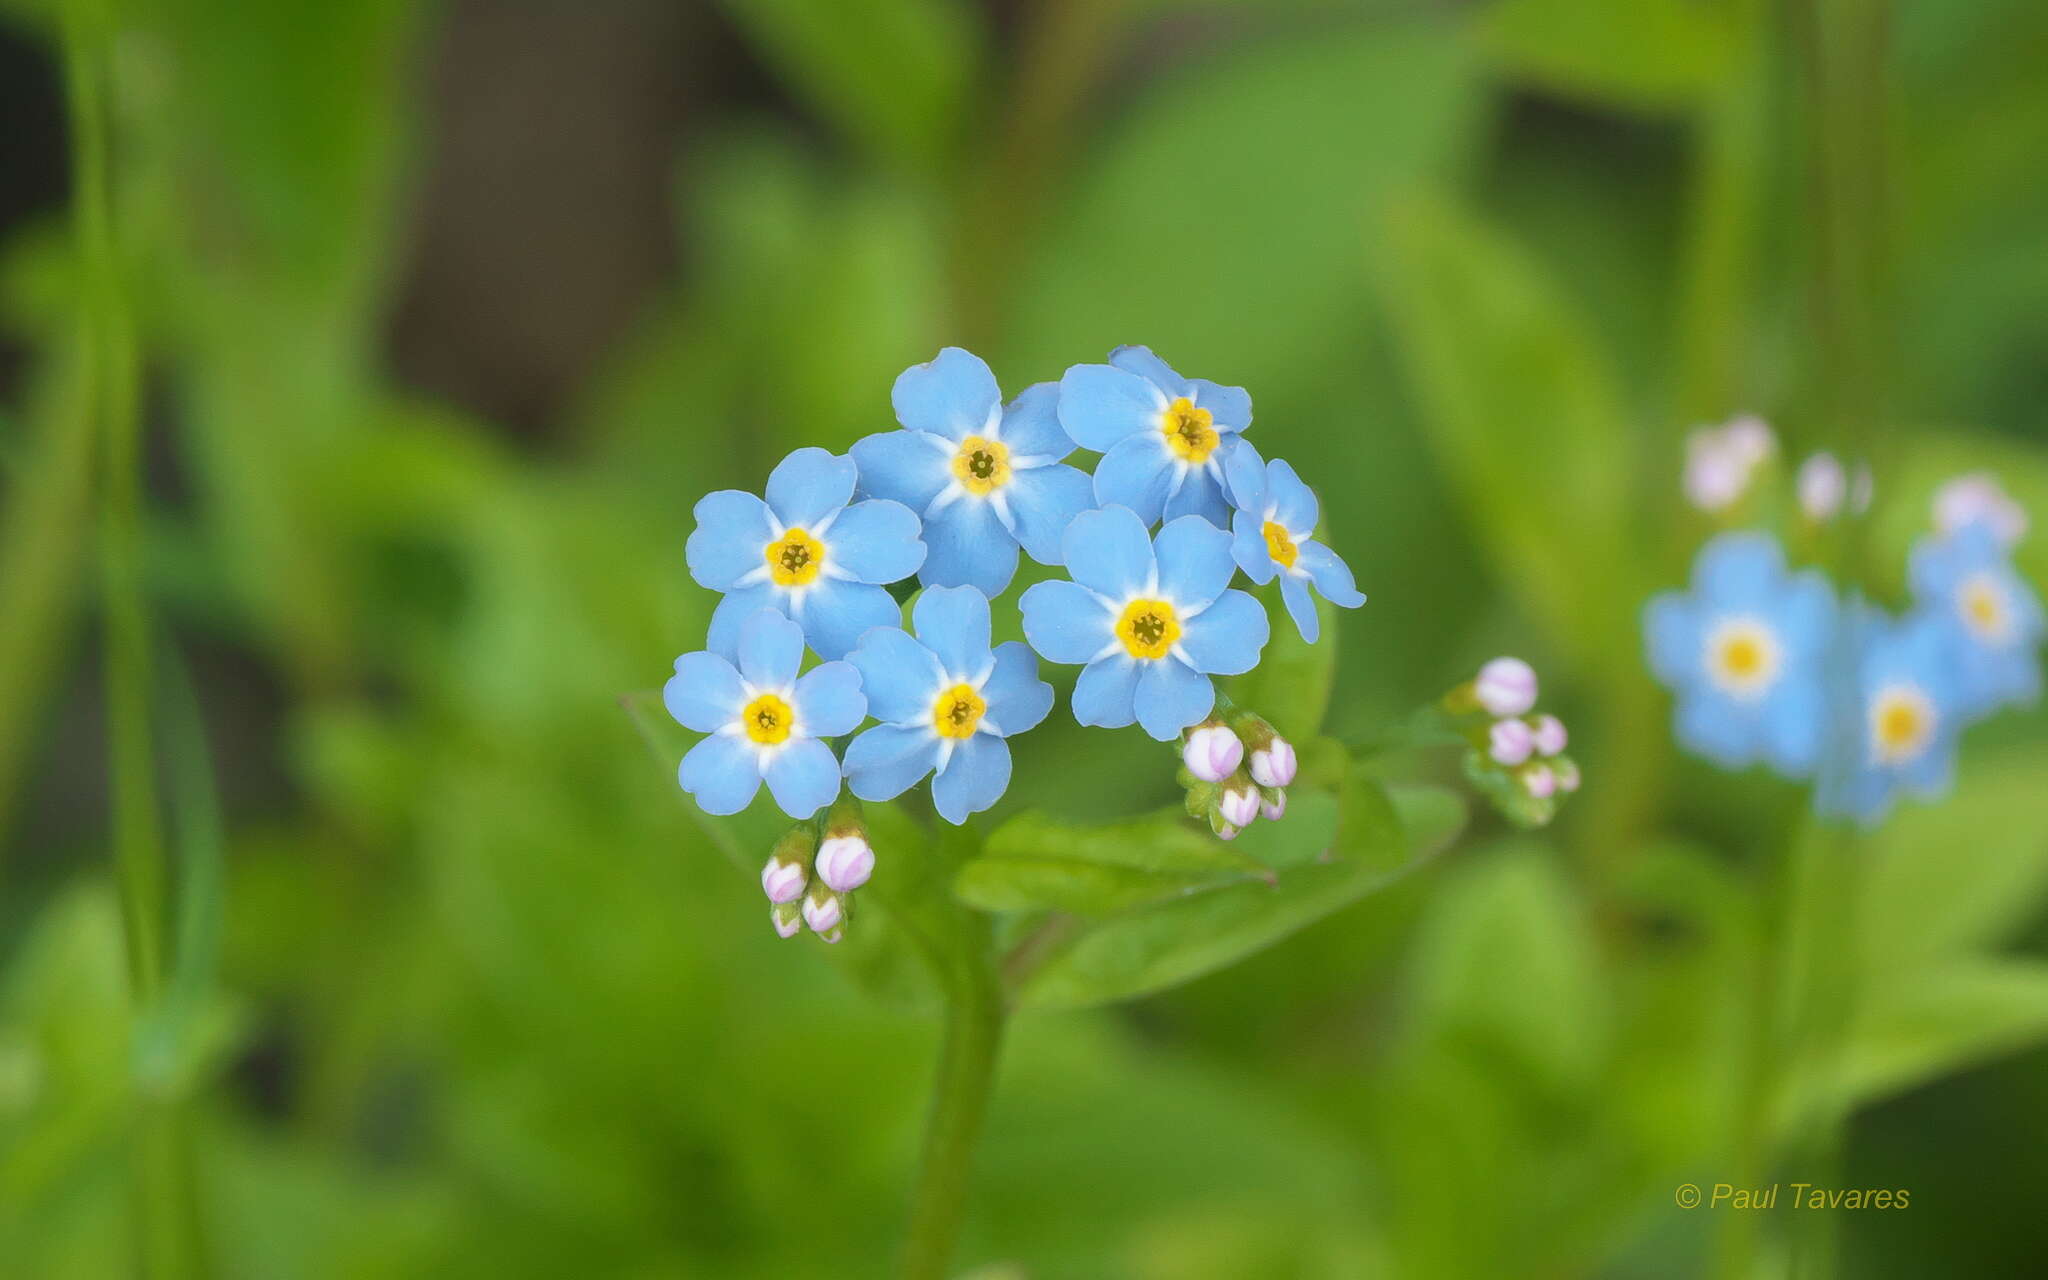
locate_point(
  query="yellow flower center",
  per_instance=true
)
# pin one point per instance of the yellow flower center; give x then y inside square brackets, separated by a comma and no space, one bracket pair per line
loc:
[794,559]
[982,466]
[958,711]
[1190,432]
[1983,608]
[1901,723]
[1148,628]
[1280,545]
[1742,657]
[768,719]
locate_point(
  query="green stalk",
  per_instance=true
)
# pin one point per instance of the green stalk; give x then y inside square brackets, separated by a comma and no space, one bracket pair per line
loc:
[960,1094]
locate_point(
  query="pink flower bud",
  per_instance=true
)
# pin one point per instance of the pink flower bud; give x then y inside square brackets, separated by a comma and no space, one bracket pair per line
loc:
[1239,807]
[1748,440]
[787,917]
[1549,736]
[1509,742]
[1212,752]
[1226,833]
[1275,809]
[1976,498]
[1567,776]
[783,880]
[1539,781]
[1822,485]
[1506,687]
[1274,764]
[845,862]
[833,934]
[823,912]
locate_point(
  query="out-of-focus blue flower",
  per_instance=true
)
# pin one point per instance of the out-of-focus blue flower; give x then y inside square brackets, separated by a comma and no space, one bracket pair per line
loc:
[1990,617]
[805,552]
[1163,437]
[985,478]
[1151,619]
[765,721]
[947,702]
[1745,654]
[1272,533]
[1902,720]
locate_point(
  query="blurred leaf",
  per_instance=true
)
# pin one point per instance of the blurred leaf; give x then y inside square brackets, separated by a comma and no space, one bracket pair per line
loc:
[1933,1022]
[1169,943]
[1525,416]
[1640,54]
[892,73]
[1291,685]
[1034,862]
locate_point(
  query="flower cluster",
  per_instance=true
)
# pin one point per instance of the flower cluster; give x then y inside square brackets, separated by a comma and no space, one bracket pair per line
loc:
[1771,665]
[1516,756]
[1149,541]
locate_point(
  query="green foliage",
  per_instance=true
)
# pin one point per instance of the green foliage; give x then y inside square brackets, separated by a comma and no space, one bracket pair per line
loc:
[1647,54]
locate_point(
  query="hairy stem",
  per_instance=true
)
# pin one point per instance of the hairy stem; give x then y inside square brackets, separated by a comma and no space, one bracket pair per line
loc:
[960,1094]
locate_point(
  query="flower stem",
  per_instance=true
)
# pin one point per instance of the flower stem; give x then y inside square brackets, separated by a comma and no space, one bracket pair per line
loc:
[960,1093]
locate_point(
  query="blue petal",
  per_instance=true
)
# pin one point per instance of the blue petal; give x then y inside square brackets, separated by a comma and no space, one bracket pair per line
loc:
[705,692]
[1807,614]
[732,527]
[732,613]
[953,623]
[1031,425]
[1137,473]
[1200,494]
[1017,698]
[1301,606]
[887,760]
[1107,552]
[1738,570]
[1331,575]
[1225,638]
[952,395]
[1172,696]
[1043,502]
[1294,503]
[1104,694]
[1244,477]
[1100,405]
[803,776]
[1141,361]
[836,614]
[809,485]
[1248,547]
[1065,622]
[771,648]
[1230,408]
[1713,726]
[973,779]
[1672,635]
[874,541]
[909,467]
[967,546]
[829,700]
[721,773]
[1194,561]
[1795,723]
[899,676]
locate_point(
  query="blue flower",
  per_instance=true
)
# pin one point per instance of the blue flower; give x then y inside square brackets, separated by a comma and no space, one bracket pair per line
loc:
[764,720]
[947,702]
[1903,720]
[1151,619]
[986,479]
[1276,516]
[804,552]
[1745,653]
[1990,618]
[1162,436]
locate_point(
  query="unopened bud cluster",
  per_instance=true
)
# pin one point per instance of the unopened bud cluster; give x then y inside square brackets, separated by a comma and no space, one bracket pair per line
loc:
[1517,758]
[810,880]
[1236,769]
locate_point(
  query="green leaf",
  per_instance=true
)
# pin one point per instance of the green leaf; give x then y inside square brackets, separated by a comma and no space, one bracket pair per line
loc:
[1035,862]
[1172,942]
[1641,54]
[1935,1022]
[1291,685]
[1525,415]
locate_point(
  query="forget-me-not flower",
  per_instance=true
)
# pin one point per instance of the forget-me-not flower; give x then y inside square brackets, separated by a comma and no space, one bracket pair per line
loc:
[1272,533]
[1903,722]
[1991,618]
[1745,654]
[986,479]
[765,721]
[1151,619]
[947,702]
[805,552]
[1163,437]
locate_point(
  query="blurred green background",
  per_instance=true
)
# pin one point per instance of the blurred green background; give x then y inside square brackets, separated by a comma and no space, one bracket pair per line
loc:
[442,317]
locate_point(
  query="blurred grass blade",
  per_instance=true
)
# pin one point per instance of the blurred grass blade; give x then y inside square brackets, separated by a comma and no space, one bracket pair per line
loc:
[1644,54]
